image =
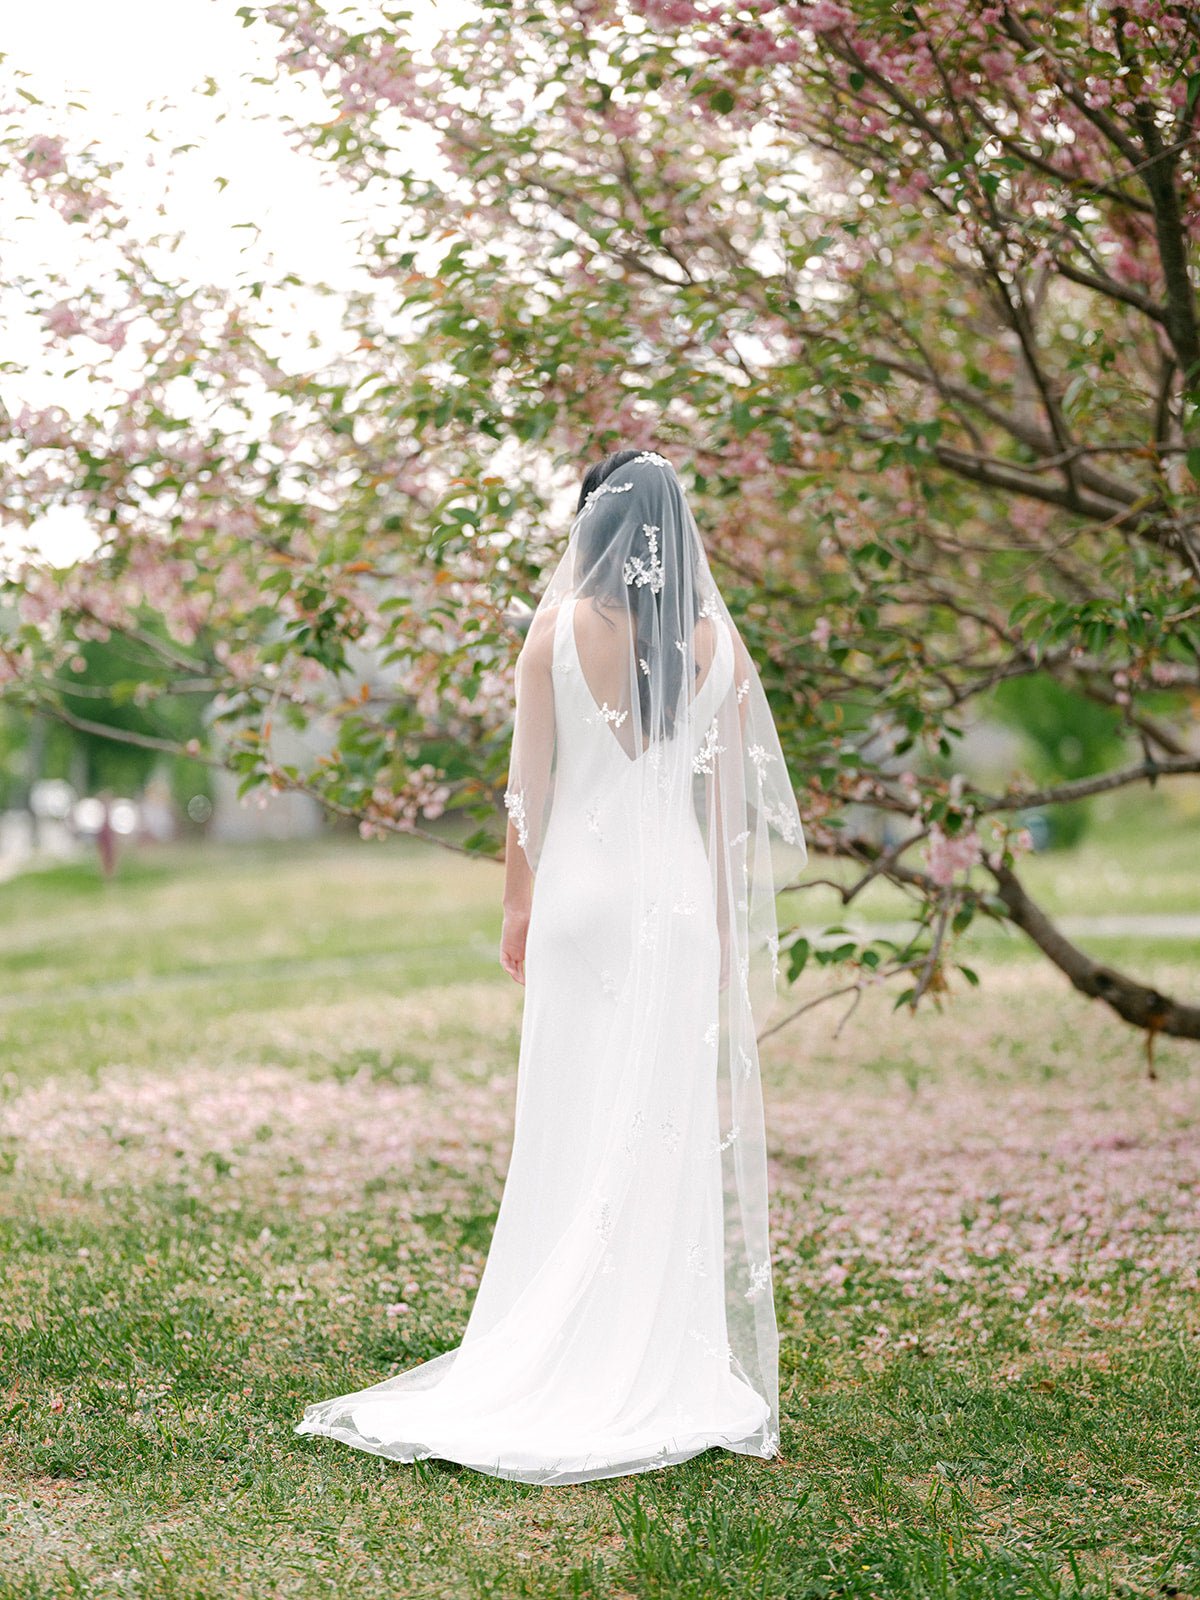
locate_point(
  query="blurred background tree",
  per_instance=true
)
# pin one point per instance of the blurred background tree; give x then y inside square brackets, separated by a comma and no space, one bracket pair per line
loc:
[909,296]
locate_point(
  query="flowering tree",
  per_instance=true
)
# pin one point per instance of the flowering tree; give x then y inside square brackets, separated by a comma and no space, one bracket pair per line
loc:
[908,294]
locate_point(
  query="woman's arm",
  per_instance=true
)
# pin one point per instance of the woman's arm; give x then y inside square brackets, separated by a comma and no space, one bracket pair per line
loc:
[518,896]
[531,769]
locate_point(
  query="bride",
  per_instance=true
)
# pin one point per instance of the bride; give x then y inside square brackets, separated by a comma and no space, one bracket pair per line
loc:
[625,1318]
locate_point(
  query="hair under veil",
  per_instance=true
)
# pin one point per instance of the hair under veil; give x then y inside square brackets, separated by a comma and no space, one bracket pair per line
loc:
[633,619]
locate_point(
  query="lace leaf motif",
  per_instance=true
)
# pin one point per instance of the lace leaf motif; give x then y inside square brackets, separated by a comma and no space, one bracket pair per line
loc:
[705,758]
[649,572]
[760,1280]
[605,488]
[514,804]
[608,714]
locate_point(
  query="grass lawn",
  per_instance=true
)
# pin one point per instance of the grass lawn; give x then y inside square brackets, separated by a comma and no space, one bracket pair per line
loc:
[1140,854]
[254,1116]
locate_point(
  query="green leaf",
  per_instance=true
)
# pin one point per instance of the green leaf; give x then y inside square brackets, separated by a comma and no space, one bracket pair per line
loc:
[482,841]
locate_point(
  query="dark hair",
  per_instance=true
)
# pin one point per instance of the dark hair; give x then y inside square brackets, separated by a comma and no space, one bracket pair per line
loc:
[603,583]
[600,470]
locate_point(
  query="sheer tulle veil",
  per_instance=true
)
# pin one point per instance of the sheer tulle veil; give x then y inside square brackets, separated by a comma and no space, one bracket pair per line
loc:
[624,1319]
[672,683]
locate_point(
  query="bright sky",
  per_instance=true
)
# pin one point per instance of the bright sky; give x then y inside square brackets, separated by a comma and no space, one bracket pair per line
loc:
[135,67]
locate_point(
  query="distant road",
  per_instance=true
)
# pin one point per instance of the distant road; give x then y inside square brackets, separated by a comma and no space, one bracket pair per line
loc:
[1111,925]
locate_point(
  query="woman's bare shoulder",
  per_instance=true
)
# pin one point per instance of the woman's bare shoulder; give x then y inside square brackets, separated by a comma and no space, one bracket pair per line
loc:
[704,640]
[539,641]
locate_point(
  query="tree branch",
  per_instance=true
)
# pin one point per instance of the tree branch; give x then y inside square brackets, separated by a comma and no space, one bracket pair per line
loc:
[1134,1002]
[1147,771]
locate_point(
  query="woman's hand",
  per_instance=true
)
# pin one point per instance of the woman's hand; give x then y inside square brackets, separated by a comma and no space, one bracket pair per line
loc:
[512,944]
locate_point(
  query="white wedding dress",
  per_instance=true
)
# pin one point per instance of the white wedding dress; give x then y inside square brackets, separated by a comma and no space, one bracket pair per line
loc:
[633,1213]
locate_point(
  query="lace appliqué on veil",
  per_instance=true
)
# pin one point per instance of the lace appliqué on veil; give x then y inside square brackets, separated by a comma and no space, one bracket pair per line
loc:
[514,803]
[760,1279]
[713,1351]
[608,714]
[784,823]
[605,488]
[760,758]
[705,757]
[638,572]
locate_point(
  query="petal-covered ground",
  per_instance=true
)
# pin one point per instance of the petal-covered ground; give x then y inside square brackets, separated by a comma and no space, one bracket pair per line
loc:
[987,1226]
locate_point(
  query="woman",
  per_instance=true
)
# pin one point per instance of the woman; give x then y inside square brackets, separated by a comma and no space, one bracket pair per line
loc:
[624,1320]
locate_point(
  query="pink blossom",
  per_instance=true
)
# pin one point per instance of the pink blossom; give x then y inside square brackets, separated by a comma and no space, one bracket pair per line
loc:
[63,320]
[675,13]
[995,63]
[41,429]
[947,855]
[1132,267]
[622,121]
[45,157]
[77,202]
[825,16]
[110,332]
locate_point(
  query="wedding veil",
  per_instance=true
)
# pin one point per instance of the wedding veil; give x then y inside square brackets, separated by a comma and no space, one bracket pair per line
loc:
[669,680]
